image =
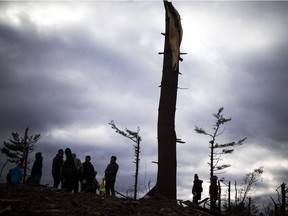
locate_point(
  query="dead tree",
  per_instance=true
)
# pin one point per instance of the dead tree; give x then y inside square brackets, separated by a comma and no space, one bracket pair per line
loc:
[280,207]
[283,199]
[167,159]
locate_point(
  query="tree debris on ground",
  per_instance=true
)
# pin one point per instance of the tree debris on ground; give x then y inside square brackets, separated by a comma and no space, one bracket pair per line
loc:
[25,200]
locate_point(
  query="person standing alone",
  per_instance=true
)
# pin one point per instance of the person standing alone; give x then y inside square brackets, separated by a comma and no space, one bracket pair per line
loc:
[110,176]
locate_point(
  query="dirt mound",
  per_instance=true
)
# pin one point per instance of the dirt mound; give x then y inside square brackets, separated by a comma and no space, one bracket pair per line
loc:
[24,200]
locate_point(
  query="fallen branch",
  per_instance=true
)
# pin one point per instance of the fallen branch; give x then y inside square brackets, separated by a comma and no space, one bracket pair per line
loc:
[6,209]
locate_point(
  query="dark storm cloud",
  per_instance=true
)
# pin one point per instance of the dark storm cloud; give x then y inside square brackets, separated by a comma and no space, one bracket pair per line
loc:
[254,86]
[262,97]
[39,82]
[50,77]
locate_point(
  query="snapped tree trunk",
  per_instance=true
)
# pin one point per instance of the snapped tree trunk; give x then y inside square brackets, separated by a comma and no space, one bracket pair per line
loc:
[167,160]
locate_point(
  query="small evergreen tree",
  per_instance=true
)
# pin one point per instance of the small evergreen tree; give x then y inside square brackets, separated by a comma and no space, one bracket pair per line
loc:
[215,154]
[18,149]
[134,136]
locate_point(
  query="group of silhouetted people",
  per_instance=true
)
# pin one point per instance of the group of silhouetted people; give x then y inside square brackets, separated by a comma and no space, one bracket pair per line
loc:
[197,190]
[69,173]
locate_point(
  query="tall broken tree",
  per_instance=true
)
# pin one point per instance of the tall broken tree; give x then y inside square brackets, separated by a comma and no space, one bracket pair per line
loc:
[167,160]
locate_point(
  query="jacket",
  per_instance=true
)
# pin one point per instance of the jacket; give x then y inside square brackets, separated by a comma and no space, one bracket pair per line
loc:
[57,164]
[111,171]
[16,174]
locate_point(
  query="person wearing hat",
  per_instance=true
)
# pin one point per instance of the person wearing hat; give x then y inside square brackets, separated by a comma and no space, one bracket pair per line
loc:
[197,189]
[56,168]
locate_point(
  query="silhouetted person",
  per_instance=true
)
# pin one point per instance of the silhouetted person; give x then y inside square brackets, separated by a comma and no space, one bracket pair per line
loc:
[69,173]
[88,175]
[110,176]
[213,191]
[79,169]
[36,172]
[56,168]
[197,189]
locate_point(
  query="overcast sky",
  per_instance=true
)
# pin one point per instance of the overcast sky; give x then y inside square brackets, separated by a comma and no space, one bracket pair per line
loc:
[69,68]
